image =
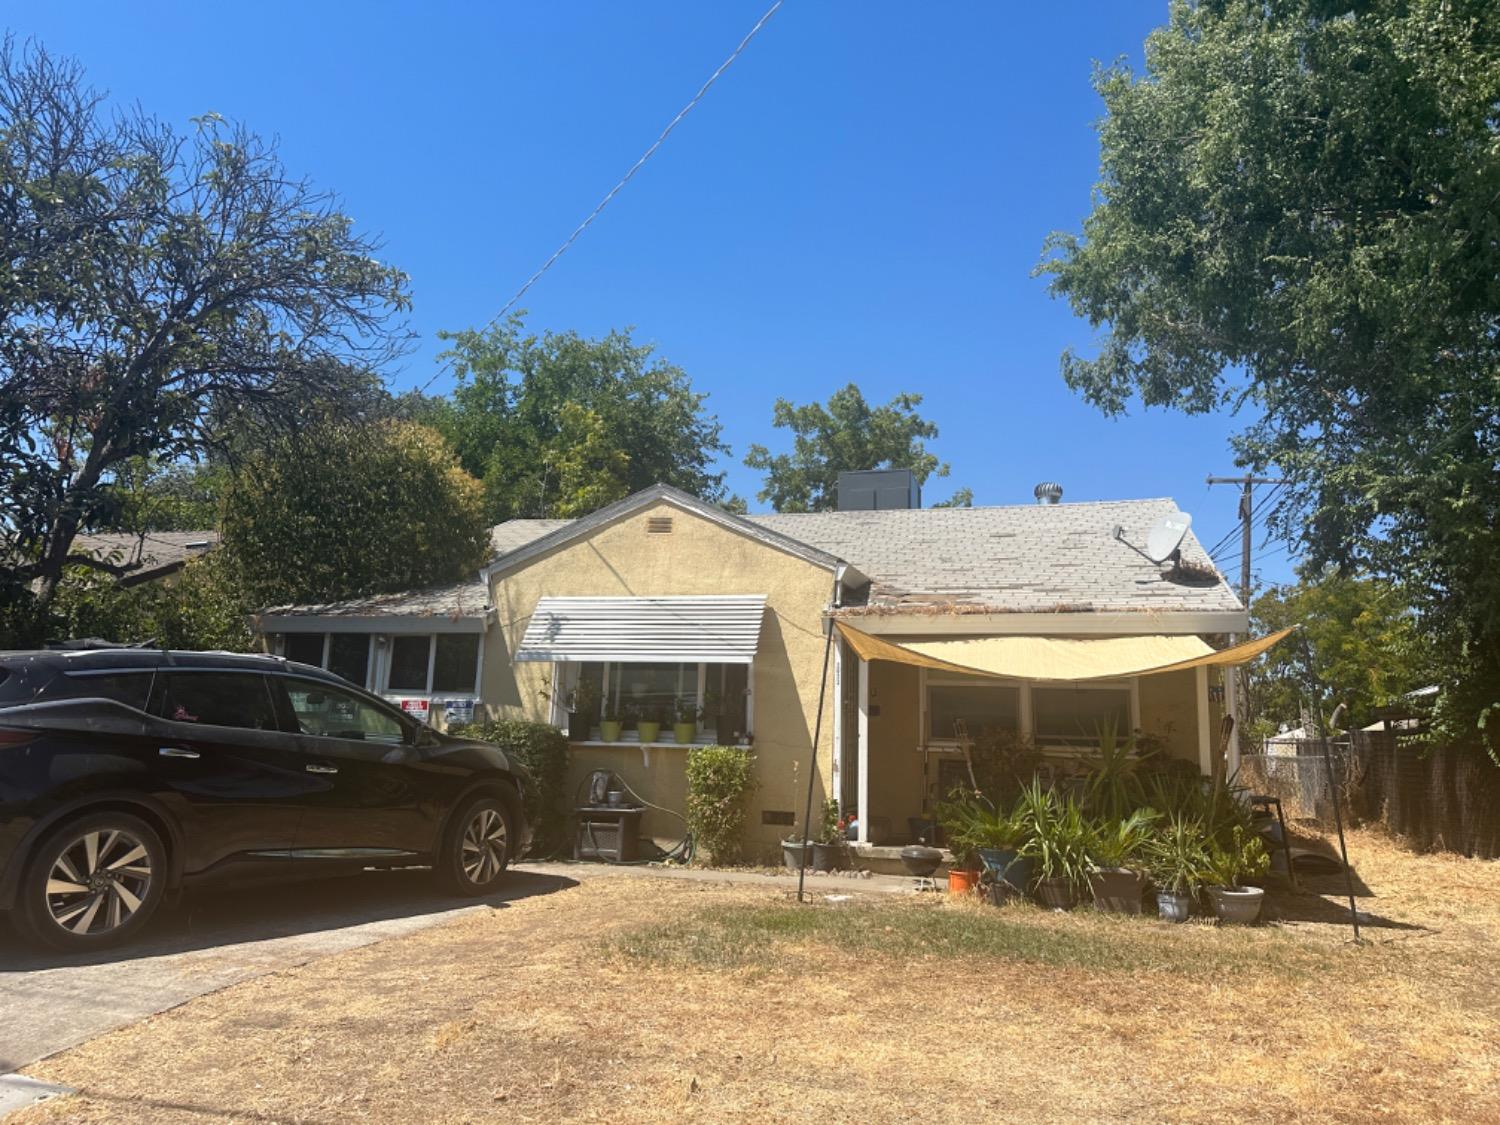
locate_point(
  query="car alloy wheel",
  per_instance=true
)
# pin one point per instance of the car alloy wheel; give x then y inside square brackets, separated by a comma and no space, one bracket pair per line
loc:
[483,848]
[99,881]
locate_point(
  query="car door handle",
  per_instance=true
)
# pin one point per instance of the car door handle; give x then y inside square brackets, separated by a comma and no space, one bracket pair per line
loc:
[177,752]
[322,769]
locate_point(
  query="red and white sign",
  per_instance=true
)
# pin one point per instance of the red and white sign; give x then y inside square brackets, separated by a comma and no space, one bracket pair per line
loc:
[417,708]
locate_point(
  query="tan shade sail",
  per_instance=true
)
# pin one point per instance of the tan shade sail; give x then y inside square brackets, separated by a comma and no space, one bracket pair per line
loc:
[1056,658]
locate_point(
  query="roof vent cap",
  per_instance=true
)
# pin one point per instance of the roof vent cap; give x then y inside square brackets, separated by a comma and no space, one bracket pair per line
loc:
[1048,492]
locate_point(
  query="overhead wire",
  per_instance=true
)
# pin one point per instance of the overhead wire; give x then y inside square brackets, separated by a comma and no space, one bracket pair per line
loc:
[447,364]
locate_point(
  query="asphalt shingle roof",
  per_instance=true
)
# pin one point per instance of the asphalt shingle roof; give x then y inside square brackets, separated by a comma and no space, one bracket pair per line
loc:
[1022,558]
[156,552]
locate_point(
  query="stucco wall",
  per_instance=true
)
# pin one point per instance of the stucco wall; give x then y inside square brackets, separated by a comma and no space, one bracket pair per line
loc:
[697,557]
[1168,710]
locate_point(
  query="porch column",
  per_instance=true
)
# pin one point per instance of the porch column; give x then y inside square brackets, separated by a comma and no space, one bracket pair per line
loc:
[1205,727]
[864,753]
[838,724]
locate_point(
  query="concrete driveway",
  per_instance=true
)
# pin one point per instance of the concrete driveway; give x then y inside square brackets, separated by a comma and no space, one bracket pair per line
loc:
[49,1002]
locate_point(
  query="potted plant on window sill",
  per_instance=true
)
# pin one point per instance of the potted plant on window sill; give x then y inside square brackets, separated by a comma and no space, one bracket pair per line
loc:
[1114,848]
[648,726]
[1241,857]
[583,705]
[830,846]
[1177,859]
[685,728]
[610,725]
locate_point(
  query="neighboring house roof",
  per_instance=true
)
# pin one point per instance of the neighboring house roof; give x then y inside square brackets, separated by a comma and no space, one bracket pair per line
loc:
[1021,558]
[158,552]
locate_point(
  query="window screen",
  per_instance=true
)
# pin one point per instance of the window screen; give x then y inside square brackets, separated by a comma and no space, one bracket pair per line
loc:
[1075,714]
[409,663]
[456,664]
[349,656]
[980,705]
[219,699]
[304,648]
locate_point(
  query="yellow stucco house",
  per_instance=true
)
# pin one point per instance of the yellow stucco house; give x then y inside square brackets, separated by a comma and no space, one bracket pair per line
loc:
[1044,619]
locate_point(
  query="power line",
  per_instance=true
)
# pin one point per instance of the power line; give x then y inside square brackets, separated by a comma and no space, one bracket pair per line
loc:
[447,364]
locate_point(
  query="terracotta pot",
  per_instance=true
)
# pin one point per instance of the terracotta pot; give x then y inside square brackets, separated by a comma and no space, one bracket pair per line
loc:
[685,732]
[961,882]
[610,732]
[1057,893]
[1237,905]
[648,732]
[1117,889]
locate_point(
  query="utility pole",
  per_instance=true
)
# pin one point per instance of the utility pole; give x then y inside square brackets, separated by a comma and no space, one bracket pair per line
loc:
[1247,485]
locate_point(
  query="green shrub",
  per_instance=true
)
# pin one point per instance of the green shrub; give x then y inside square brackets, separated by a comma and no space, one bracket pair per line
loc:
[719,780]
[543,750]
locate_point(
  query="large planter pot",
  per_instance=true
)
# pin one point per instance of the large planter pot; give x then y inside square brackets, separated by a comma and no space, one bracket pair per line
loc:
[648,732]
[1057,893]
[961,882]
[610,731]
[827,857]
[1011,869]
[1238,905]
[1117,889]
[685,732]
[791,854]
[579,726]
[1173,907]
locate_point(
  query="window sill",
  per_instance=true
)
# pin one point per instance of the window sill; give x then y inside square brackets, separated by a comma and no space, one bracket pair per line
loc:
[630,742]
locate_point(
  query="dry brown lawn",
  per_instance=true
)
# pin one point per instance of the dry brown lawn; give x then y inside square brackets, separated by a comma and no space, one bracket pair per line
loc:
[711,1002]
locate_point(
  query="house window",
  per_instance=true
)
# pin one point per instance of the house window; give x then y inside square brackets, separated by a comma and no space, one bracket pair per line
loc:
[636,692]
[343,654]
[979,703]
[434,663]
[1074,715]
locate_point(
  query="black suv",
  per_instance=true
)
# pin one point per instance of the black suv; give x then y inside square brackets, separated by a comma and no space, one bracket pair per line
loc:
[127,773]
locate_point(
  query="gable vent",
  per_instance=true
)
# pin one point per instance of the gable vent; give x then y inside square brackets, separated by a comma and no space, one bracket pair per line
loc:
[658,525]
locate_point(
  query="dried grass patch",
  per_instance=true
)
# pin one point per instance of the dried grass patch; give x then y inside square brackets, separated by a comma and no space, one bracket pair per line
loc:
[660,1000]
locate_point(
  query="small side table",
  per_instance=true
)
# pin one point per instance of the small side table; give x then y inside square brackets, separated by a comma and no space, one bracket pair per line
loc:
[608,832]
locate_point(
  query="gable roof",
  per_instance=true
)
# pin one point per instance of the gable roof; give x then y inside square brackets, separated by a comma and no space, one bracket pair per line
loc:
[539,537]
[1014,559]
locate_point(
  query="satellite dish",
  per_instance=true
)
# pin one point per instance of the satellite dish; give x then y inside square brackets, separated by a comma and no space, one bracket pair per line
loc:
[1166,536]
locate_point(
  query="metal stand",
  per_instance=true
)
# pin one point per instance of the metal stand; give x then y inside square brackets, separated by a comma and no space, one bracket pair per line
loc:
[1264,801]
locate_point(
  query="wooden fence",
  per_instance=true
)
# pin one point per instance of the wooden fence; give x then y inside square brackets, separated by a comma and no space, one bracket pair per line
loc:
[1437,797]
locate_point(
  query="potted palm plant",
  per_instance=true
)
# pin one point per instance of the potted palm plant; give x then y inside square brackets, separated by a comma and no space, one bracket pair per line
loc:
[1177,860]
[1242,856]
[685,725]
[996,837]
[830,846]
[1057,839]
[1114,850]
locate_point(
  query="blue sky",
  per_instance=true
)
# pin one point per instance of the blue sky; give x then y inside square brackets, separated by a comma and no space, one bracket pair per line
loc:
[862,197]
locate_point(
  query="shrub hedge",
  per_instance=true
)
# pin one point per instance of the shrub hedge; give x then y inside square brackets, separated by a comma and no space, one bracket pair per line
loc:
[719,780]
[543,750]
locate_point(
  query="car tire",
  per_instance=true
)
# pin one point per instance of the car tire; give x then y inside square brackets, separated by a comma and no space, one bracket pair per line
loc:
[477,849]
[92,883]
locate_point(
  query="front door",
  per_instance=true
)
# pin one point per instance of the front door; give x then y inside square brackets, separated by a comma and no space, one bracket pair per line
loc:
[374,799]
[234,774]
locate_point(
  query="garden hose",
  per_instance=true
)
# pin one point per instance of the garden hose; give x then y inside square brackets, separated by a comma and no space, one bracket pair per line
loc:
[682,851]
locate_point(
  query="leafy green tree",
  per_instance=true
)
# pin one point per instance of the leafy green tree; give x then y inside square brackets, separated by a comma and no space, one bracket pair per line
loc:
[160,293]
[557,425]
[202,607]
[1299,216]
[1366,644]
[344,510]
[847,434]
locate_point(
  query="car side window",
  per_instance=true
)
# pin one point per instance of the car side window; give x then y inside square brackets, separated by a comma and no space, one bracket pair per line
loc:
[330,712]
[130,688]
[218,699]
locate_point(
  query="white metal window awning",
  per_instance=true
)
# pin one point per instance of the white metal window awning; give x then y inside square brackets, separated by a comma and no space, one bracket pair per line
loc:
[719,629]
